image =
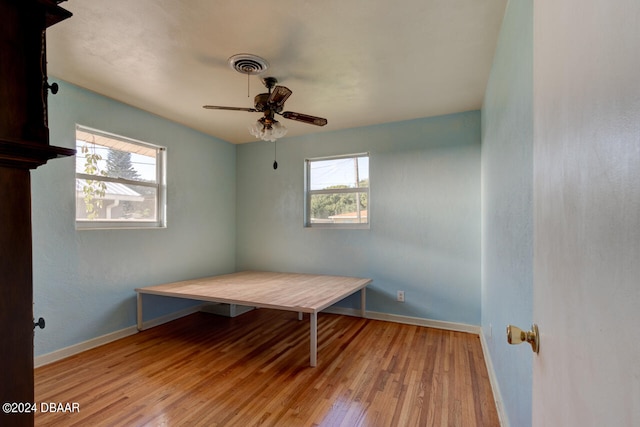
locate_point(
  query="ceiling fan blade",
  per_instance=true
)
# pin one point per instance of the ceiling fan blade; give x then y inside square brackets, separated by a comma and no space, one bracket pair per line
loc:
[216,107]
[279,95]
[305,118]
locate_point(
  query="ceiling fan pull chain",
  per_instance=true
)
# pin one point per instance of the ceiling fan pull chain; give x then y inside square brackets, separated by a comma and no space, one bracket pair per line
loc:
[275,163]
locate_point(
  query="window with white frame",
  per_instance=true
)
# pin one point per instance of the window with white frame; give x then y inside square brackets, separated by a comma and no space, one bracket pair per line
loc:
[120,182]
[337,191]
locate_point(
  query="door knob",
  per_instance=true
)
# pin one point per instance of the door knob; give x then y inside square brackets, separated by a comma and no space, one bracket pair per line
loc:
[516,335]
[52,87]
[39,323]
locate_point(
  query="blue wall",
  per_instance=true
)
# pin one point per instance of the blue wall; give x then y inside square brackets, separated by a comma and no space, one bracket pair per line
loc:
[84,280]
[424,210]
[507,209]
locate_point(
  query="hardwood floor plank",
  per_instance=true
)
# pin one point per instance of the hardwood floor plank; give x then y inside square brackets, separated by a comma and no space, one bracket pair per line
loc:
[253,369]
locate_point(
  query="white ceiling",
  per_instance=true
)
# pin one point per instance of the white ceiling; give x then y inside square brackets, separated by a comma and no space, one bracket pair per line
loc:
[354,62]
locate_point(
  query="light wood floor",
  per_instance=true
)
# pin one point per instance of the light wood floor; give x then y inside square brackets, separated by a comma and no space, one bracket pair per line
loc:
[254,369]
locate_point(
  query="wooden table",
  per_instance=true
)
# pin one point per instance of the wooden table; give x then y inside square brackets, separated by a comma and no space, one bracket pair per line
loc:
[302,293]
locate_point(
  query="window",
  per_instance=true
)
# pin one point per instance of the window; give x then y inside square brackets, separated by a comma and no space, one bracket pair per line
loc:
[120,182]
[337,191]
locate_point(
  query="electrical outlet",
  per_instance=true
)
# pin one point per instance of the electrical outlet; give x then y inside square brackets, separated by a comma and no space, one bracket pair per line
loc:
[490,330]
[400,296]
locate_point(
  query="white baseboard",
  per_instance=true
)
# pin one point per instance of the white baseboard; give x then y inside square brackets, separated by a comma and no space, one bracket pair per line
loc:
[418,321]
[63,353]
[493,380]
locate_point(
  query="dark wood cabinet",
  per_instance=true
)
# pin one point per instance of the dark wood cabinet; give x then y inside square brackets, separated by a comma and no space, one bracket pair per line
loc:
[24,145]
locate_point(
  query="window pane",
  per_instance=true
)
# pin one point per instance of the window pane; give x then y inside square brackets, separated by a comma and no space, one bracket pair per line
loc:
[96,159]
[352,172]
[110,201]
[339,208]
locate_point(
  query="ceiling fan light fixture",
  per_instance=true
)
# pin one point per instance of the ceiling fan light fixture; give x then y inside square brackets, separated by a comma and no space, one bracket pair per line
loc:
[266,131]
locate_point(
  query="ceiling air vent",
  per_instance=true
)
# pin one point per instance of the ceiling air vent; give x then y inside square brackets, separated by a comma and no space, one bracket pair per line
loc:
[246,63]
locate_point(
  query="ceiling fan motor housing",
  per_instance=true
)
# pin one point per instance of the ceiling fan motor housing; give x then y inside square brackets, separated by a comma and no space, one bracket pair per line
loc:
[262,104]
[261,101]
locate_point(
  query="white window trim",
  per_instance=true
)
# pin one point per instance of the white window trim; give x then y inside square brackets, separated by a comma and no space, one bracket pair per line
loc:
[161,189]
[308,193]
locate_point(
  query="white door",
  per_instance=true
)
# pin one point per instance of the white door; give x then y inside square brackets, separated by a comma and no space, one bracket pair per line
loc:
[587,212]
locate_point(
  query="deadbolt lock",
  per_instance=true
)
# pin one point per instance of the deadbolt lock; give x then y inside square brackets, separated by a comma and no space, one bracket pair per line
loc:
[516,335]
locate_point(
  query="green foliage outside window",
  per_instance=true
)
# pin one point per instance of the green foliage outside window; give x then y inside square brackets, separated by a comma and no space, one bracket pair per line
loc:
[93,190]
[326,205]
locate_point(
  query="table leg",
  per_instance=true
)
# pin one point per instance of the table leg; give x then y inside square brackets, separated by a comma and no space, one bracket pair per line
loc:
[299,315]
[363,302]
[139,311]
[313,354]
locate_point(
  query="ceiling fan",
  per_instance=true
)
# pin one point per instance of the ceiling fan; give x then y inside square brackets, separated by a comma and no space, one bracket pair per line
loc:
[270,104]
